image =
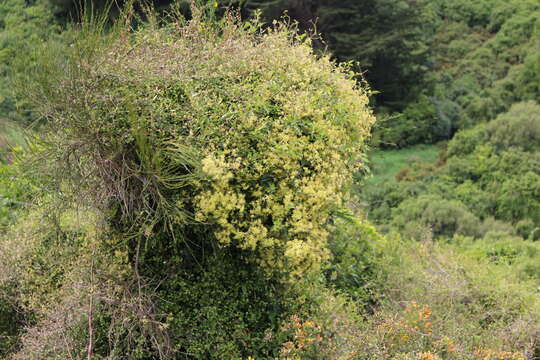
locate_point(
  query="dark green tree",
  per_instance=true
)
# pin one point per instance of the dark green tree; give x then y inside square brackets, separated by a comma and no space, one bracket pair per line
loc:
[388,38]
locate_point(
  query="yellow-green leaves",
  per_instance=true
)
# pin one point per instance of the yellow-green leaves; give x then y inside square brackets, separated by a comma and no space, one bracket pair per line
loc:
[246,134]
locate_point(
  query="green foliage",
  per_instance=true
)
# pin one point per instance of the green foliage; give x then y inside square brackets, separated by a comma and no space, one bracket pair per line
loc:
[390,39]
[529,81]
[70,283]
[473,14]
[447,301]
[251,151]
[500,158]
[506,251]
[353,257]
[214,180]
[488,171]
[485,79]
[224,309]
[437,66]
[527,229]
[519,198]
[13,139]
[210,162]
[483,59]
[418,123]
[382,198]
[16,192]
[519,128]
[433,213]
[23,24]
[11,196]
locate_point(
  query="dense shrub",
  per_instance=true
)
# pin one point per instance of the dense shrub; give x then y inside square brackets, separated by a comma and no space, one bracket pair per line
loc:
[460,11]
[217,157]
[442,217]
[505,250]
[382,198]
[253,149]
[519,198]
[351,270]
[225,309]
[194,176]
[527,229]
[490,172]
[478,57]
[418,123]
[518,128]
[482,59]
[529,87]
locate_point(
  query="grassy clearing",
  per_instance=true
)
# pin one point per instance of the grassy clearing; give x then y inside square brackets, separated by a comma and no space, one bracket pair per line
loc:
[386,163]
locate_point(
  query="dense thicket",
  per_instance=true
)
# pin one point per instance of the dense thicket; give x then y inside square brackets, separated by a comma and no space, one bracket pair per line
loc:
[388,40]
[487,181]
[483,73]
[187,195]
[258,145]
[207,171]
[480,197]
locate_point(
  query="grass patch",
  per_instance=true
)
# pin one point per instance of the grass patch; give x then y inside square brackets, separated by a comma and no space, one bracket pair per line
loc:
[385,164]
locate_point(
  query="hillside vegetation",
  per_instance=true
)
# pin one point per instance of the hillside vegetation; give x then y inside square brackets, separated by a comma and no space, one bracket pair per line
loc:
[270,179]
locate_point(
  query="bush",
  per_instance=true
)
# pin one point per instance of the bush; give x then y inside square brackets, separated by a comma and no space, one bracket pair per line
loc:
[354,255]
[529,82]
[489,171]
[519,198]
[443,217]
[216,157]
[484,57]
[172,132]
[480,202]
[382,198]
[519,127]
[507,251]
[465,142]
[527,229]
[225,309]
[419,123]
